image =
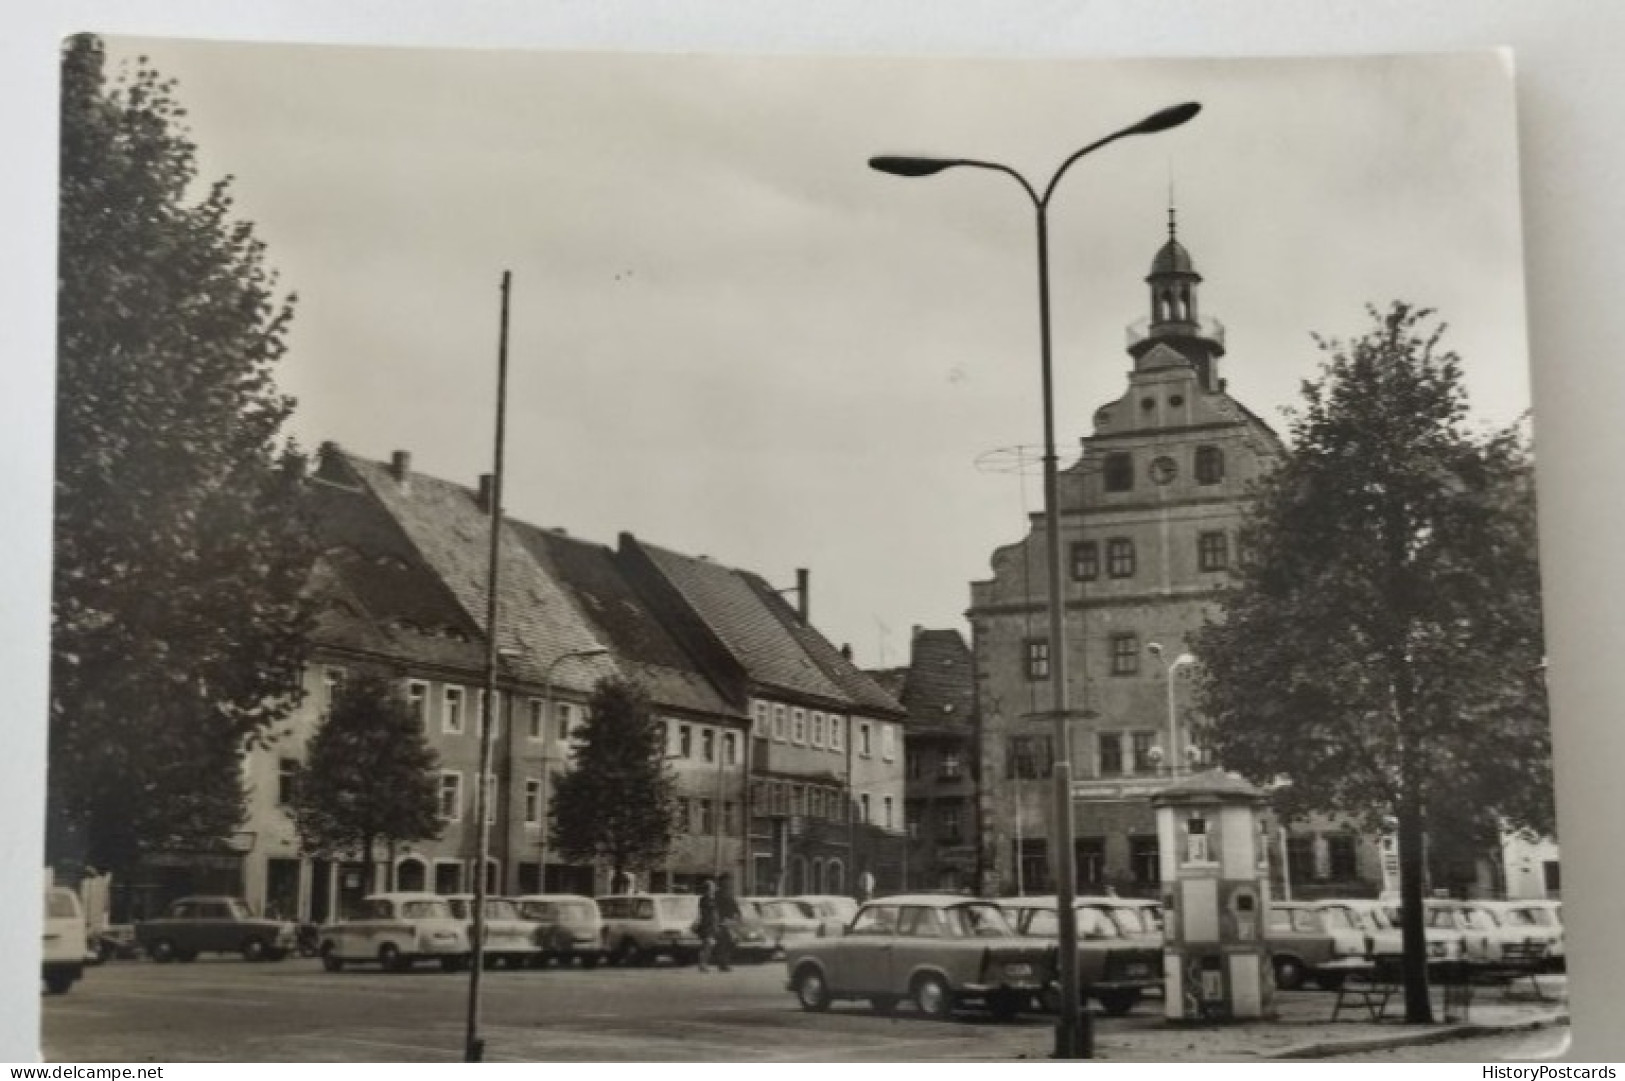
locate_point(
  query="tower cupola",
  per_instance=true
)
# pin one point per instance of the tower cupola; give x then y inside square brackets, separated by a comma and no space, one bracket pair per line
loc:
[1175,321]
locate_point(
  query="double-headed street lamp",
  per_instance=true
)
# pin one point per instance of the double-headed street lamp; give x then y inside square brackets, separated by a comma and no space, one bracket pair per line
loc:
[1170,667]
[1069,1042]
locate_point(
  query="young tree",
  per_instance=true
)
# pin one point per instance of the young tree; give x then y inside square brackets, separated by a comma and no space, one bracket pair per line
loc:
[178,626]
[617,804]
[1382,646]
[369,775]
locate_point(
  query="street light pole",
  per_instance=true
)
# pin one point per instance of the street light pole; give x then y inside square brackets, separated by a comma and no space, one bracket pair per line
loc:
[1069,1035]
[547,719]
[1169,670]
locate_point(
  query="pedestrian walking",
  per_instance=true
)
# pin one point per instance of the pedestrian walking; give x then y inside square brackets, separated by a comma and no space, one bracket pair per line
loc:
[728,919]
[707,924]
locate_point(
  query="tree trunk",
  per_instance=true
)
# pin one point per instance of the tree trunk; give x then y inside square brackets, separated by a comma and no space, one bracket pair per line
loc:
[1418,1004]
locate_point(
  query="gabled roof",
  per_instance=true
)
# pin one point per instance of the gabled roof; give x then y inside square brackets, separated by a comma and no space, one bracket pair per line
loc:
[939,685]
[862,690]
[624,621]
[537,621]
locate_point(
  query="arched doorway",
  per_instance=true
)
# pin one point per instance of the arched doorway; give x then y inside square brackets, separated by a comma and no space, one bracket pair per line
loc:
[834,877]
[411,875]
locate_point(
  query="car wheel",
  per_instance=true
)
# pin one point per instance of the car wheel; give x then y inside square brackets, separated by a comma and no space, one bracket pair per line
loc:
[331,960]
[58,983]
[390,959]
[811,990]
[1005,1005]
[1288,973]
[253,950]
[883,1004]
[932,996]
[1117,1003]
[629,954]
[162,951]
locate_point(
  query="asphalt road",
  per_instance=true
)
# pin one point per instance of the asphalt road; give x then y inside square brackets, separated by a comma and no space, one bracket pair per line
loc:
[231,1011]
[226,1010]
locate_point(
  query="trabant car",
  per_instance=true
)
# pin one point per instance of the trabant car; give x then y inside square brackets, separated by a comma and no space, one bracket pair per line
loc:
[939,952]
[567,927]
[1370,918]
[833,911]
[752,942]
[1444,941]
[63,945]
[1482,936]
[1297,941]
[1135,918]
[396,930]
[1537,921]
[1113,968]
[510,940]
[1349,942]
[642,927]
[788,922]
[197,925]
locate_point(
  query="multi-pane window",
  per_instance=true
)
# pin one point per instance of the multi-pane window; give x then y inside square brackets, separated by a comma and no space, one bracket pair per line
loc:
[1110,745]
[836,733]
[1029,757]
[949,766]
[490,799]
[287,781]
[451,796]
[533,802]
[451,713]
[760,720]
[1300,857]
[1032,856]
[1090,860]
[864,748]
[1212,551]
[730,749]
[950,825]
[707,825]
[1037,658]
[537,713]
[780,716]
[1143,863]
[417,699]
[914,768]
[1125,654]
[1209,465]
[1119,472]
[817,728]
[708,744]
[912,813]
[1143,742]
[1085,561]
[798,725]
[1120,557]
[863,807]
[886,805]
[1342,856]
[685,740]
[566,720]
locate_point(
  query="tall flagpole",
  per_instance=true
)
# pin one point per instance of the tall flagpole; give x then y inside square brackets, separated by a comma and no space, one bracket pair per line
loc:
[473,1045]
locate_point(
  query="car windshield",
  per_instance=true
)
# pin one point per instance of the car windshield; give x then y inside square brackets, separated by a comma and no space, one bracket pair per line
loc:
[59,905]
[500,908]
[1519,917]
[425,910]
[680,908]
[1131,922]
[1480,919]
[976,921]
[1443,917]
[556,910]
[1339,919]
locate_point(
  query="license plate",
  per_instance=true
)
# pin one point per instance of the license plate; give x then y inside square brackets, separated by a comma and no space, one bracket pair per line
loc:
[1018,970]
[1137,970]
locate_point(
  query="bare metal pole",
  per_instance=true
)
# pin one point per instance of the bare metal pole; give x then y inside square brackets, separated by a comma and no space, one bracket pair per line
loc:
[473,1045]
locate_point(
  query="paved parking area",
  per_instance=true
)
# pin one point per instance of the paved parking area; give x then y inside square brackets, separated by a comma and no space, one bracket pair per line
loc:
[227,1010]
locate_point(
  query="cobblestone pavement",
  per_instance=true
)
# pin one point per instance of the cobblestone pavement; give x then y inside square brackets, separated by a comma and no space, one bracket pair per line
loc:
[230,1011]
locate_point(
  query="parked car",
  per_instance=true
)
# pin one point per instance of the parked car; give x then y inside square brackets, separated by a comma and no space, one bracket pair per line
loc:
[1114,968]
[1445,942]
[115,941]
[832,911]
[940,952]
[567,927]
[640,928]
[1349,941]
[1134,918]
[1538,920]
[510,939]
[63,948]
[1297,941]
[1482,935]
[788,922]
[197,925]
[396,930]
[752,941]
[1370,918]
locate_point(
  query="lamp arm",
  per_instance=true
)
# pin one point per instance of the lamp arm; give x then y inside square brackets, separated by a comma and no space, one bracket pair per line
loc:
[996,167]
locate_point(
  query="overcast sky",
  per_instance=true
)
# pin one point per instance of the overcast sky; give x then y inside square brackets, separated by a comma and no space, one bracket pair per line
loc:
[731,338]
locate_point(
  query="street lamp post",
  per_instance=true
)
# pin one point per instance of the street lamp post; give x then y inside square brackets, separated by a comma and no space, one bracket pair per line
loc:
[1169,670]
[547,717]
[1069,1041]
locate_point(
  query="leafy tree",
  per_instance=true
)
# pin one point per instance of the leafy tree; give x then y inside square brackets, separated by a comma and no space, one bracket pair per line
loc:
[617,804]
[1382,645]
[369,775]
[178,626]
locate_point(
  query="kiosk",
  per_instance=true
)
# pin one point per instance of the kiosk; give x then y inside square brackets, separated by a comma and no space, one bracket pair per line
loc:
[1214,896]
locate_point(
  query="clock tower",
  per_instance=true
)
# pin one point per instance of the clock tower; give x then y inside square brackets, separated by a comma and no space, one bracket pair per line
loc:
[1150,513]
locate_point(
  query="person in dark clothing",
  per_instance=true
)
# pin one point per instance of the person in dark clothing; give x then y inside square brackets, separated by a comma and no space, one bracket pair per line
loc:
[707,925]
[727,918]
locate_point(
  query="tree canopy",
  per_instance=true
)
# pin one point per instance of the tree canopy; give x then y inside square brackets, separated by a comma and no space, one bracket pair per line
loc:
[369,775]
[1381,648]
[616,805]
[180,553]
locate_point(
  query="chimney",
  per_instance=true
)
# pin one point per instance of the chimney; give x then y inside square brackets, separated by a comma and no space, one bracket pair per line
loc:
[487,495]
[400,465]
[846,650]
[918,630]
[803,605]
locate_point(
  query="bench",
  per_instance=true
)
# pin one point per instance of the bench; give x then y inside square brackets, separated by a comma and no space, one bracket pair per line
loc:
[1371,985]
[1519,961]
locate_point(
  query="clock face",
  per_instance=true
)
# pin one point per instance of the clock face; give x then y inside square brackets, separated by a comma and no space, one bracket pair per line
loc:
[1164,469]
